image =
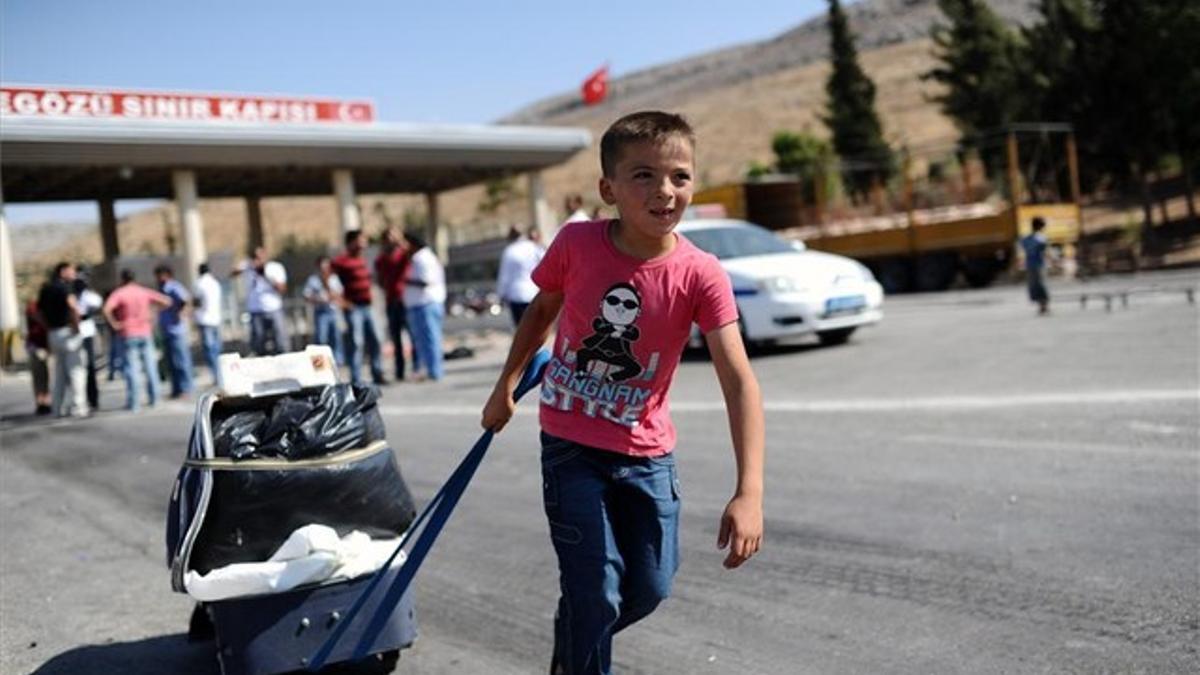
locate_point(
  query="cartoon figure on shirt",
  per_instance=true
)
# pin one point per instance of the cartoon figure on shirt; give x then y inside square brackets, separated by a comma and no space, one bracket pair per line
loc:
[614,333]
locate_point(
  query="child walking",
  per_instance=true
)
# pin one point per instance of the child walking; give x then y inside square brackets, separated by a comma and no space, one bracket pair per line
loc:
[625,293]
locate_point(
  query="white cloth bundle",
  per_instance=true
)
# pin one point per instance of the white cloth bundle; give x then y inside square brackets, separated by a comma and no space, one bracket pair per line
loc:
[311,554]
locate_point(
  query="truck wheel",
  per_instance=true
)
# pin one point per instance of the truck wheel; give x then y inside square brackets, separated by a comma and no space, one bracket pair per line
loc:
[894,274]
[936,272]
[980,272]
[836,336]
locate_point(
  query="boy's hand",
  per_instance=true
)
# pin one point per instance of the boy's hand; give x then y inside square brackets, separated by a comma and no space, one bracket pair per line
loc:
[499,409]
[741,529]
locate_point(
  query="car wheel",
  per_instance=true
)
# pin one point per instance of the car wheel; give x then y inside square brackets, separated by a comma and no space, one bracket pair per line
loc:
[836,336]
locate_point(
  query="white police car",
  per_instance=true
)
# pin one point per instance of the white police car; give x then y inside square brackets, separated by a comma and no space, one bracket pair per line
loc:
[783,290]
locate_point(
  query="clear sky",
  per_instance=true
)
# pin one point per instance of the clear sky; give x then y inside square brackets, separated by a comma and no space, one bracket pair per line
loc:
[425,61]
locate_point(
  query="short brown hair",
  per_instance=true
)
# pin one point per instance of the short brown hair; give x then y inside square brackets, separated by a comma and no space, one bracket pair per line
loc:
[649,125]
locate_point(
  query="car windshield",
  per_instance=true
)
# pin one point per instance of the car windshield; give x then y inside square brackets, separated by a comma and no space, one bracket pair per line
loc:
[738,242]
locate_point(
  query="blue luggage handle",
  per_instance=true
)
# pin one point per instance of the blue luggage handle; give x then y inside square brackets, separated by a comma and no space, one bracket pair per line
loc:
[433,517]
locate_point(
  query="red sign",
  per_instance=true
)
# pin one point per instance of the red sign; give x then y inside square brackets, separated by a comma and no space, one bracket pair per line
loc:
[18,101]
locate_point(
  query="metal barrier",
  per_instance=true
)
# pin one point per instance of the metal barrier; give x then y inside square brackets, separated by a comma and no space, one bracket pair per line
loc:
[1111,297]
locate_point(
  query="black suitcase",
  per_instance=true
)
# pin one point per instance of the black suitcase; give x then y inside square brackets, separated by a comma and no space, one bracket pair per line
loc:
[280,632]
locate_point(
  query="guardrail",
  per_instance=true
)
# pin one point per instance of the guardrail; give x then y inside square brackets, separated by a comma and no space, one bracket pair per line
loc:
[1110,298]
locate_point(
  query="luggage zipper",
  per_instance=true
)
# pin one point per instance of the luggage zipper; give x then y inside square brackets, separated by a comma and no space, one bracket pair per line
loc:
[227,464]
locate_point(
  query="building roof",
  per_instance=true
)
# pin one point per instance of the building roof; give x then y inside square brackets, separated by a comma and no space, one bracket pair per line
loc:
[49,159]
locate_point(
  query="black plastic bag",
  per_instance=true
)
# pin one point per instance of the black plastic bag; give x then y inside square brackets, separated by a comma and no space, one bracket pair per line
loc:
[331,423]
[239,435]
[339,417]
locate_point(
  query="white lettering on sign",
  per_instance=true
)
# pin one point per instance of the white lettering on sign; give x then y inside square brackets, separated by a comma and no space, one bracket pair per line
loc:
[79,102]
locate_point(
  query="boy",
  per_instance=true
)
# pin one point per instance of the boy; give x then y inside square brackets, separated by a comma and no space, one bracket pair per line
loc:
[625,293]
[1035,244]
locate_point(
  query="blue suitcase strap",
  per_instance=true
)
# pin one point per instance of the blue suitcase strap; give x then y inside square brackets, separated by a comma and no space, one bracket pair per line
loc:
[433,518]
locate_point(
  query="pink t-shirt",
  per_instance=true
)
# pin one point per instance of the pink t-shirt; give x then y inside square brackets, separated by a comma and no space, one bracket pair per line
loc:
[623,326]
[131,305]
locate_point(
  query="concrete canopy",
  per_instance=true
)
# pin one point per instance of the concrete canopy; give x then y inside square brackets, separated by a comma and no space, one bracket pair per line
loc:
[61,159]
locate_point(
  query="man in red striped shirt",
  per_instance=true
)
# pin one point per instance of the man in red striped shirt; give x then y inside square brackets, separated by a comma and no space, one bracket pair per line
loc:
[391,269]
[351,268]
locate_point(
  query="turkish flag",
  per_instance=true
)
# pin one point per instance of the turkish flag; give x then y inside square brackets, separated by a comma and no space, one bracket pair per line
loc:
[595,88]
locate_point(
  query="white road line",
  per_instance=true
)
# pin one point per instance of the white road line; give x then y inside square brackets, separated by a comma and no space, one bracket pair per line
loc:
[930,404]
[1189,454]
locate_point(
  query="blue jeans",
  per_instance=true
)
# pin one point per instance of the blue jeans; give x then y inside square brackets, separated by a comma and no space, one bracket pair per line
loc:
[139,360]
[210,344]
[614,523]
[360,332]
[397,323]
[325,330]
[425,326]
[116,354]
[269,333]
[179,360]
[518,310]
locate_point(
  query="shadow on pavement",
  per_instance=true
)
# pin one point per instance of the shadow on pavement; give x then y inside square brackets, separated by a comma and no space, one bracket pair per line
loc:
[152,656]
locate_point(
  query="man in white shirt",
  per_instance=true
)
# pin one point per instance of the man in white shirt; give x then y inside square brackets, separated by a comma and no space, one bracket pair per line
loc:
[206,297]
[425,302]
[89,302]
[267,282]
[574,208]
[514,282]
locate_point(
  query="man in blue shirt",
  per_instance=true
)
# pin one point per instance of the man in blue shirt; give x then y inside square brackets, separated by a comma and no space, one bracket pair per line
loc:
[1034,245]
[172,322]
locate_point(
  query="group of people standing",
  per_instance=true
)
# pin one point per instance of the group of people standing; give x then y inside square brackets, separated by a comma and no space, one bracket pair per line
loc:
[62,330]
[414,285]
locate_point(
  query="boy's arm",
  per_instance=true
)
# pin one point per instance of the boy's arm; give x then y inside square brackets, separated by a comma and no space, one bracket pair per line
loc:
[531,334]
[742,523]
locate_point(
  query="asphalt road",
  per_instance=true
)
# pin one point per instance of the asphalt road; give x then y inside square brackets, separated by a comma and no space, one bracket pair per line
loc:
[964,488]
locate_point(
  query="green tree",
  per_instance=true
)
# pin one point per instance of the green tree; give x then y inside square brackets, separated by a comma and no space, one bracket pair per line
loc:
[811,159]
[850,112]
[1057,76]
[1141,94]
[497,193]
[979,70]
[1185,113]
[1057,73]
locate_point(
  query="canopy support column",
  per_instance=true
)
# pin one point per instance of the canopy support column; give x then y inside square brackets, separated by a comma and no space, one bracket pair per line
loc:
[108,230]
[254,222]
[194,251]
[343,188]
[436,235]
[539,211]
[10,314]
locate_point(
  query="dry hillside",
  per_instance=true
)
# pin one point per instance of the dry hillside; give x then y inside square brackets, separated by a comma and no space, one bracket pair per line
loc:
[736,98]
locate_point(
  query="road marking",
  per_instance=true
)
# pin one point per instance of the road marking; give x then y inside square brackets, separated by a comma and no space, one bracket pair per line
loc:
[1152,428]
[931,404]
[1188,454]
